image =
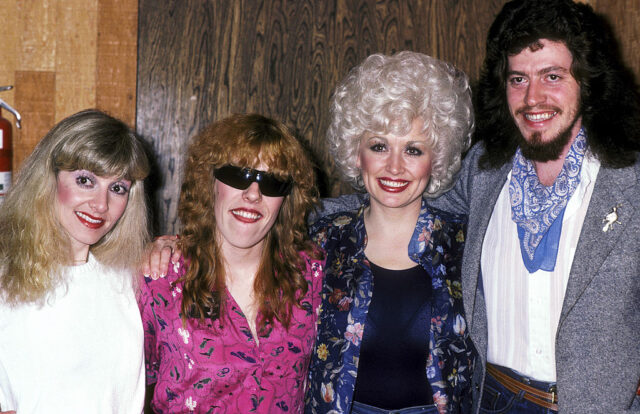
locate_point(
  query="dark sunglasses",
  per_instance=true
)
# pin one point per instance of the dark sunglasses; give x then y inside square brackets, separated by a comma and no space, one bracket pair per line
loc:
[241,178]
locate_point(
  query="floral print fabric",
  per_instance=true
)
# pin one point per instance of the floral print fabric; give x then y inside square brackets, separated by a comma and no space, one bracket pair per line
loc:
[437,245]
[216,367]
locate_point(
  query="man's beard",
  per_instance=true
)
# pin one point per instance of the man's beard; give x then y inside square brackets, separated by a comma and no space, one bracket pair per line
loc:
[535,149]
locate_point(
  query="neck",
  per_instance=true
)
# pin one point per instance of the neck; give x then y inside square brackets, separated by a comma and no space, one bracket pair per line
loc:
[79,255]
[379,217]
[241,265]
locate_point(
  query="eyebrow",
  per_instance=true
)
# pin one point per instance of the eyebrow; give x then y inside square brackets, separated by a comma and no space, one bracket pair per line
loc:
[542,71]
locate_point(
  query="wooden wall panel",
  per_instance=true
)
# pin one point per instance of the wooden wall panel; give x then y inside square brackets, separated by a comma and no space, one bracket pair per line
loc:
[624,16]
[9,49]
[117,62]
[200,61]
[76,52]
[37,33]
[63,56]
[35,96]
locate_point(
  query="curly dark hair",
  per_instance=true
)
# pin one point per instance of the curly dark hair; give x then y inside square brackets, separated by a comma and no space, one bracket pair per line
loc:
[246,141]
[609,97]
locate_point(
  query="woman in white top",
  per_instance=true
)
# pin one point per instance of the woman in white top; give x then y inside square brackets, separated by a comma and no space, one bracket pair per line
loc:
[72,229]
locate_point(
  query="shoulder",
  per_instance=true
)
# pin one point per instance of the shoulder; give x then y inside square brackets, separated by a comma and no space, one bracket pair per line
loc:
[166,284]
[471,161]
[336,222]
[440,222]
[329,206]
[312,265]
[451,219]
[438,231]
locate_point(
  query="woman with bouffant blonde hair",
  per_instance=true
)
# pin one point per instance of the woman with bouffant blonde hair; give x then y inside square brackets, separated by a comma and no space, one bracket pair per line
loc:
[240,305]
[74,226]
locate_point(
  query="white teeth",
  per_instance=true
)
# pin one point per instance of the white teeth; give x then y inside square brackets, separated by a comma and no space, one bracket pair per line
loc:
[87,218]
[540,117]
[246,214]
[396,184]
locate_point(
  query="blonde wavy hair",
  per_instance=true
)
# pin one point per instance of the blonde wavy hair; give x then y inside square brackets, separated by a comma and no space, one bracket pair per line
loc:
[245,141]
[384,94]
[34,246]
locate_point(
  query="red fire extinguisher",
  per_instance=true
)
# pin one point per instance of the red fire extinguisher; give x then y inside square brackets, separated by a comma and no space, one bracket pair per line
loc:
[6,145]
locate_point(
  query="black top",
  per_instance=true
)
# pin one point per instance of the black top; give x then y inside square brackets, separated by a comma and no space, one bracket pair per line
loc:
[395,344]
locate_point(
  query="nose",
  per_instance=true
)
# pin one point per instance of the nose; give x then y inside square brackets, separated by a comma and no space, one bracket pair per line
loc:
[100,201]
[535,94]
[252,193]
[395,162]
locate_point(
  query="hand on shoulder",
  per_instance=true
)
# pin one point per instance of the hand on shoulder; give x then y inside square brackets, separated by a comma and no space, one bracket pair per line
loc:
[155,262]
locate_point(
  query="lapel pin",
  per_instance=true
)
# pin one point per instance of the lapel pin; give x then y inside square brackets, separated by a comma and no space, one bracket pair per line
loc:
[611,218]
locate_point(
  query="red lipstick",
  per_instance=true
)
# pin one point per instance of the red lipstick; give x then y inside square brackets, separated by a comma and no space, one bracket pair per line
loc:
[392,185]
[246,215]
[89,221]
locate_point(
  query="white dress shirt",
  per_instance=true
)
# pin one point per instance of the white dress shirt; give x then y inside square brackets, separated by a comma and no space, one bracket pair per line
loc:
[523,309]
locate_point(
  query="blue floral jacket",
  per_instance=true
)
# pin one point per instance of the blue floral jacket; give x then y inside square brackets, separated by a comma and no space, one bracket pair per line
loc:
[437,245]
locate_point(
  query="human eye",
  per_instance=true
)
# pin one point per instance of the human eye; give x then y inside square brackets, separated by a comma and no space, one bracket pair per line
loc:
[378,147]
[516,80]
[120,188]
[554,77]
[85,180]
[414,151]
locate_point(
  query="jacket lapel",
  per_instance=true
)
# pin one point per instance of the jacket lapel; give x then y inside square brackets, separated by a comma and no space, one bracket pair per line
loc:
[613,188]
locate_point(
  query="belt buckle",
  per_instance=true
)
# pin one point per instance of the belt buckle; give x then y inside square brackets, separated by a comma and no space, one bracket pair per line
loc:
[554,394]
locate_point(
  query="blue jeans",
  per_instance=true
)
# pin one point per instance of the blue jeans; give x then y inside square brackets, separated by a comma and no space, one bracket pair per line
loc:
[496,399]
[359,408]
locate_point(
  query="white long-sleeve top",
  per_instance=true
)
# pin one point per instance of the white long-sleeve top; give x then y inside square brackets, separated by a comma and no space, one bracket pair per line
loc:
[80,352]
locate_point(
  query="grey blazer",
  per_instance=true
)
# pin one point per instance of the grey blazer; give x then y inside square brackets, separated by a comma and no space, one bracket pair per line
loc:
[598,338]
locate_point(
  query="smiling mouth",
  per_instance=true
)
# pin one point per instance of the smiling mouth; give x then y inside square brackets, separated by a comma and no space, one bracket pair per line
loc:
[89,221]
[539,117]
[392,186]
[246,216]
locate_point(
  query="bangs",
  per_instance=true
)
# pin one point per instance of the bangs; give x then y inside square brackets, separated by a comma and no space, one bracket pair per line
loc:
[269,149]
[104,155]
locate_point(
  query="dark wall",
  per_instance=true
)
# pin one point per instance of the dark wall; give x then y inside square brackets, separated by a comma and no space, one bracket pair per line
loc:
[199,61]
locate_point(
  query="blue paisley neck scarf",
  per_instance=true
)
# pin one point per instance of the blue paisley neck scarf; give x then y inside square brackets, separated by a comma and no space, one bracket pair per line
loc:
[538,210]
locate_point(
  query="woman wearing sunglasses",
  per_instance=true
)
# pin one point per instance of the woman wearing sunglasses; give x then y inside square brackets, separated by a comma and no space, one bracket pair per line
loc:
[231,326]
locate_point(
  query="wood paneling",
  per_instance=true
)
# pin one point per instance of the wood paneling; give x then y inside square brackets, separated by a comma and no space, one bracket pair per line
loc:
[9,49]
[63,56]
[117,62]
[35,96]
[76,52]
[624,16]
[200,61]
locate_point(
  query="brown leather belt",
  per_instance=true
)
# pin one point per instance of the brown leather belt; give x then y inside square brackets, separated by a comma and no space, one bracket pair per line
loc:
[547,400]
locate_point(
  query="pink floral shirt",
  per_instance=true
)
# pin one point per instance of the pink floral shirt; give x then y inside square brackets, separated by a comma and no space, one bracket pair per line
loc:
[222,370]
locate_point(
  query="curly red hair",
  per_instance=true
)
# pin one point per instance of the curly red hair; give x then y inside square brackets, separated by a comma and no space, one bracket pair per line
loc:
[246,140]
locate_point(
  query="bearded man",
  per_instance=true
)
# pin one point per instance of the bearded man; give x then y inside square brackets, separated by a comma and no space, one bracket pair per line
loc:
[551,277]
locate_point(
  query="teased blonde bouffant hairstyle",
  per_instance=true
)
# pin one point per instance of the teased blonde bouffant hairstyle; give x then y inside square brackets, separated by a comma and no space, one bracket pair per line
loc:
[34,246]
[385,94]
[245,141]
